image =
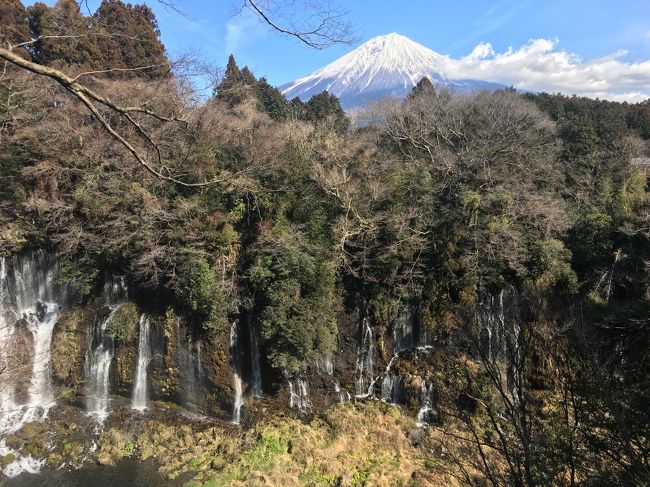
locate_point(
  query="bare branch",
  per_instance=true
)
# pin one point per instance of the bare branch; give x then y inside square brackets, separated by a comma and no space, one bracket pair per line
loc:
[89,97]
[322,25]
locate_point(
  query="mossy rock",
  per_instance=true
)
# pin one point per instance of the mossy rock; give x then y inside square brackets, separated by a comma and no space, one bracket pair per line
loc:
[68,343]
[6,459]
[123,326]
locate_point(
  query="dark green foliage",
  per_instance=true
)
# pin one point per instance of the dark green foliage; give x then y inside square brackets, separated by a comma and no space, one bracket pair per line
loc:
[238,86]
[233,85]
[199,290]
[325,109]
[123,325]
[271,101]
[14,26]
[63,19]
[119,36]
[423,88]
[133,39]
[296,288]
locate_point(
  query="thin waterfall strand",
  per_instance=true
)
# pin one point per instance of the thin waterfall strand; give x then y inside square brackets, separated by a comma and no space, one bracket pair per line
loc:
[144,355]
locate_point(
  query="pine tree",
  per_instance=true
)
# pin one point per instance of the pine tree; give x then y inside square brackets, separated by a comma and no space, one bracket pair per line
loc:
[423,88]
[129,38]
[326,109]
[271,101]
[232,89]
[14,28]
[63,19]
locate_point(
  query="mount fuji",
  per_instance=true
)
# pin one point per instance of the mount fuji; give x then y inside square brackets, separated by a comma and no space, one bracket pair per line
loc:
[386,66]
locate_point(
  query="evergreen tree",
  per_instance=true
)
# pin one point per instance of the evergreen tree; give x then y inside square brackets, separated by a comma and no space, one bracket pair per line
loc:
[14,27]
[326,109]
[231,88]
[129,38]
[423,88]
[63,19]
[271,101]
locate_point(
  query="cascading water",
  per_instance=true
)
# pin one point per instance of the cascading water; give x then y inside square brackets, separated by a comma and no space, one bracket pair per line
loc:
[193,381]
[100,350]
[7,385]
[325,365]
[256,371]
[404,336]
[492,323]
[390,388]
[28,291]
[30,303]
[236,372]
[97,368]
[299,395]
[144,355]
[426,410]
[344,395]
[499,336]
[115,289]
[365,352]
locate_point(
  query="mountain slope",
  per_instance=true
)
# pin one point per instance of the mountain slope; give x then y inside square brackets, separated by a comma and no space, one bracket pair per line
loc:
[385,66]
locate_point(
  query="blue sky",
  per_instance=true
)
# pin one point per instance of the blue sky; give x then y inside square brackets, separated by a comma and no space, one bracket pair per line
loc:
[580,30]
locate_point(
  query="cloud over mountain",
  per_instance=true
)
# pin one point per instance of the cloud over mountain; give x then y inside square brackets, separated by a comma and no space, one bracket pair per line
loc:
[540,66]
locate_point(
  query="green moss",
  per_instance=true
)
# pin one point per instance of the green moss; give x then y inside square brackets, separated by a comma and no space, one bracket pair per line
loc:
[129,448]
[123,326]
[67,340]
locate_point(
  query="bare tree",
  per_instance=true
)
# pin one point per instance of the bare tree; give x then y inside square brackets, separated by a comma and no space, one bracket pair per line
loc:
[319,25]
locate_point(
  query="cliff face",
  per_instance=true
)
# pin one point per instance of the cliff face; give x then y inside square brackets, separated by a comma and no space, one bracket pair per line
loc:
[95,345]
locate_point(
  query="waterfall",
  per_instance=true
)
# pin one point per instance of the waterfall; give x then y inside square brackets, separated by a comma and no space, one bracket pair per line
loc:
[514,347]
[144,355]
[404,331]
[499,336]
[390,388]
[365,351]
[115,289]
[30,303]
[426,404]
[325,365]
[28,292]
[299,395]
[193,381]
[100,350]
[236,373]
[7,387]
[97,368]
[344,396]
[256,371]
[492,327]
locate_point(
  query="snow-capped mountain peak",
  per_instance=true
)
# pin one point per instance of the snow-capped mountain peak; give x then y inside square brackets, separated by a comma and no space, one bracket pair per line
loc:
[385,66]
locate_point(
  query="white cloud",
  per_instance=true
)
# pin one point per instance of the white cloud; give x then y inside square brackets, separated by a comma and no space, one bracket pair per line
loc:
[540,66]
[241,30]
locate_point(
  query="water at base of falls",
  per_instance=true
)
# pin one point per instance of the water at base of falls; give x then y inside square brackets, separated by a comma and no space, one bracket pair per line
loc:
[144,356]
[20,464]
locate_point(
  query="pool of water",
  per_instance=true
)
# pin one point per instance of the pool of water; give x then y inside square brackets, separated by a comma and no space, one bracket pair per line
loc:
[127,473]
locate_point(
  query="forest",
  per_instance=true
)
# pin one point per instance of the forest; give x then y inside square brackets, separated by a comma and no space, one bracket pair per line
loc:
[509,231]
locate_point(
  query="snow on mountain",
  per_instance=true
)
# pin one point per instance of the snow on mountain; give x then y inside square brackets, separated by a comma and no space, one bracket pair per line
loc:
[385,66]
